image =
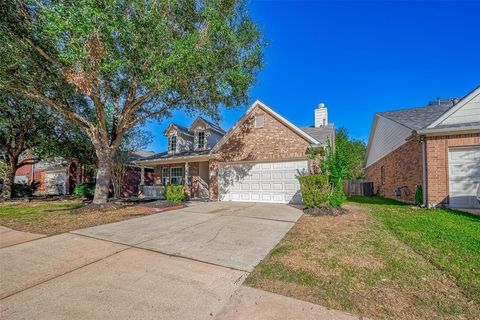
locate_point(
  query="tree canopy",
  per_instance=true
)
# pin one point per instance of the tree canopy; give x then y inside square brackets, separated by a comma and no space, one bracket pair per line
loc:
[110,65]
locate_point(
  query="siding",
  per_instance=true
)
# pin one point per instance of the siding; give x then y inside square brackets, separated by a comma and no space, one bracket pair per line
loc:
[388,136]
[470,112]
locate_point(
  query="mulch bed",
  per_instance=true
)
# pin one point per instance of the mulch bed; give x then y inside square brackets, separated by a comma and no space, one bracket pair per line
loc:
[160,205]
[325,211]
[111,205]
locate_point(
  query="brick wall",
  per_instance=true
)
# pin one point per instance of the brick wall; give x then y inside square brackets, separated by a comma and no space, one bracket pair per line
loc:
[274,141]
[402,168]
[437,164]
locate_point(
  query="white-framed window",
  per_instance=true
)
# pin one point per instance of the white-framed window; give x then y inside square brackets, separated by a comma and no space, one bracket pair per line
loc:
[176,175]
[201,140]
[259,120]
[172,144]
[165,177]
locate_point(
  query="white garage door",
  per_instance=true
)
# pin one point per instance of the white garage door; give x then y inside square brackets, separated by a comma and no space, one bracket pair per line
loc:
[464,173]
[262,182]
[55,183]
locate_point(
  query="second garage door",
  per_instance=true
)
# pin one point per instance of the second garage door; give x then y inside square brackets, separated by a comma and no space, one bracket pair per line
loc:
[262,182]
[464,173]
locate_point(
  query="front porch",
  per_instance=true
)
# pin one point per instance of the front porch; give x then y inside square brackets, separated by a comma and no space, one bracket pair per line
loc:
[194,175]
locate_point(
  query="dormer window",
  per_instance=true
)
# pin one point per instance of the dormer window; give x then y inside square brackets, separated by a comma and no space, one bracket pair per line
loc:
[172,144]
[201,140]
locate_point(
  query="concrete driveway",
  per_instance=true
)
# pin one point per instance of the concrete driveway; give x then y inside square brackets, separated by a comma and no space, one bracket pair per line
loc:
[234,235]
[183,264]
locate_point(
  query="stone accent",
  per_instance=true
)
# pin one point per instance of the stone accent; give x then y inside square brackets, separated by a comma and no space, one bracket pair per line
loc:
[437,164]
[402,169]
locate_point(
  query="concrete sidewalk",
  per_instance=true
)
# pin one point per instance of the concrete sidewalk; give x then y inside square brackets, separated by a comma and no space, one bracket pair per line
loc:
[9,237]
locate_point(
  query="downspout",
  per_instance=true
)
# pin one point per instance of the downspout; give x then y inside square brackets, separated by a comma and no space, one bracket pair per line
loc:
[424,172]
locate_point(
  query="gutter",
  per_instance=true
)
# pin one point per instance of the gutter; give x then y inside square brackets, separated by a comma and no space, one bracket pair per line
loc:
[174,160]
[434,131]
[424,172]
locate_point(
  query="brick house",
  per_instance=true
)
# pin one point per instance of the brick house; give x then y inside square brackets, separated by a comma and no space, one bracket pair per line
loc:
[436,147]
[60,177]
[258,159]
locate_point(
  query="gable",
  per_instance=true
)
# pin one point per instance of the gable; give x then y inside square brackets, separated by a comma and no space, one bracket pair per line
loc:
[385,137]
[465,111]
[275,140]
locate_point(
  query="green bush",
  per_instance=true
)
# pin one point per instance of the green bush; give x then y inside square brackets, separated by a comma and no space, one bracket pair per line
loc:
[23,189]
[316,190]
[84,190]
[175,193]
[419,195]
[337,197]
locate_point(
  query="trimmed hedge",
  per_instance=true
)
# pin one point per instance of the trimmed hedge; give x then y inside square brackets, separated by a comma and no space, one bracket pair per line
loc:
[175,193]
[316,190]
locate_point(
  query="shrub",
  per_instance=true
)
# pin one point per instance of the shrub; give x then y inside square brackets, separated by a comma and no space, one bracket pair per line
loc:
[23,189]
[337,197]
[419,195]
[84,190]
[175,193]
[315,189]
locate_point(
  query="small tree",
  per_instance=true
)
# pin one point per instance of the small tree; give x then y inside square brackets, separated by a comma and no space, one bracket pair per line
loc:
[128,61]
[344,161]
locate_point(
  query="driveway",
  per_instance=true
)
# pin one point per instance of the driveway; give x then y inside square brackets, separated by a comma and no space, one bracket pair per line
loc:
[183,264]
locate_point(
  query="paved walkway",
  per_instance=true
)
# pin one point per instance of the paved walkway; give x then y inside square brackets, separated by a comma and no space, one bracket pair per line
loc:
[9,237]
[184,264]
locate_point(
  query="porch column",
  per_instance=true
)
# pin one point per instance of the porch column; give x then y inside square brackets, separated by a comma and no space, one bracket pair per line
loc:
[142,182]
[186,174]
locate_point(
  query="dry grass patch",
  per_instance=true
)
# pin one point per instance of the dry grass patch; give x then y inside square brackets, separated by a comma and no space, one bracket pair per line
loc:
[54,217]
[353,263]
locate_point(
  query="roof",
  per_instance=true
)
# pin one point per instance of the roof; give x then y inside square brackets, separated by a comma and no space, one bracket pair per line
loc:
[321,134]
[417,118]
[212,125]
[179,127]
[165,155]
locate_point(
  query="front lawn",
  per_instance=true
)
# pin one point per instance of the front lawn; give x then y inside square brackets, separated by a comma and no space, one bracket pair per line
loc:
[58,216]
[380,260]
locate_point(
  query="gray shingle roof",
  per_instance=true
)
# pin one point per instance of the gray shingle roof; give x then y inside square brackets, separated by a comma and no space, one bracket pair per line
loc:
[165,155]
[213,125]
[417,118]
[321,134]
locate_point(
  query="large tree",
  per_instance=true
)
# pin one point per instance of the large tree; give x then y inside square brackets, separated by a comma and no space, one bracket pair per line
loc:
[129,61]
[23,126]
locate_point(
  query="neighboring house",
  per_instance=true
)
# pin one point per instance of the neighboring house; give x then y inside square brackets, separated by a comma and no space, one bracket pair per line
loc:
[60,177]
[258,159]
[436,147]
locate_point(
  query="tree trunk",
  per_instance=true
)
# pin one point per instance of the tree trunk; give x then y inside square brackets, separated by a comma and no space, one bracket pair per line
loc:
[9,180]
[102,184]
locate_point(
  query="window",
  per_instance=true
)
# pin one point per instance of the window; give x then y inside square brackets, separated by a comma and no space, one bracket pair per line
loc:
[382,174]
[259,121]
[172,144]
[176,175]
[165,179]
[200,140]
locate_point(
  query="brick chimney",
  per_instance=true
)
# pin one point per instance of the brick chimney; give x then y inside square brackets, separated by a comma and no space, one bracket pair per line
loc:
[321,116]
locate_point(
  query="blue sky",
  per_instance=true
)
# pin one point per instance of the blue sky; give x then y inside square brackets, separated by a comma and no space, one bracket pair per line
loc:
[358,58]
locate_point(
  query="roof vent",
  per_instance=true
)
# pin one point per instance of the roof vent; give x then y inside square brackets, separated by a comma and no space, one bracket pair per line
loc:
[321,116]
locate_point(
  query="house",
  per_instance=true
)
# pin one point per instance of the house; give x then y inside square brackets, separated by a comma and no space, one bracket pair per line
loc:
[436,147]
[59,177]
[258,159]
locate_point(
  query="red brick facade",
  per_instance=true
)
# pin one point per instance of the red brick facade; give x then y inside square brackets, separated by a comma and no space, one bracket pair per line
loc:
[273,142]
[437,164]
[402,169]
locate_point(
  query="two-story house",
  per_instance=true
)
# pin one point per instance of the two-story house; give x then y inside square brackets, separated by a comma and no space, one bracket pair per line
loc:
[258,159]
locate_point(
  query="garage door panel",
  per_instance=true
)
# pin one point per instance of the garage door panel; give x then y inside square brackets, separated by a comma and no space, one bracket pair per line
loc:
[464,177]
[267,182]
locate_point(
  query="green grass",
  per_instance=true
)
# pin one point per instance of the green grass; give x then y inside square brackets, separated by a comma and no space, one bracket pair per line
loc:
[20,210]
[448,239]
